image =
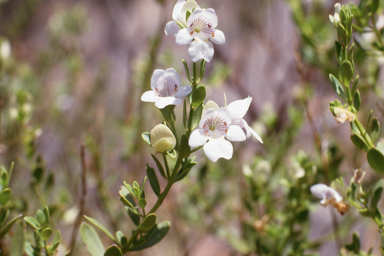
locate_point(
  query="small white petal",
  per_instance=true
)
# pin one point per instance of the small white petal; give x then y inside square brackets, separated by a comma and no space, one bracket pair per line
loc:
[222,112]
[257,136]
[183,37]
[171,28]
[337,8]
[199,49]
[235,133]
[208,105]
[208,14]
[149,96]
[218,37]
[325,192]
[197,138]
[239,108]
[183,91]
[177,9]
[163,102]
[188,6]
[172,73]
[218,148]
[156,75]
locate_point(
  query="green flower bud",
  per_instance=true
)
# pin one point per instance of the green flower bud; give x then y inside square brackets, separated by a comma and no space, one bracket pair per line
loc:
[162,138]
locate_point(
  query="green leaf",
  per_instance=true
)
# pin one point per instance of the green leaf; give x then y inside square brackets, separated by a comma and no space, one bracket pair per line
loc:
[148,223]
[172,153]
[122,239]
[9,225]
[159,166]
[142,203]
[376,160]
[357,100]
[113,250]
[346,72]
[374,5]
[5,195]
[354,85]
[186,69]
[101,227]
[91,240]
[55,243]
[377,191]
[196,116]
[142,194]
[359,142]
[154,236]
[375,129]
[184,149]
[146,137]
[337,87]
[18,239]
[153,181]
[133,216]
[185,113]
[41,218]
[364,212]
[339,52]
[4,177]
[355,245]
[185,170]
[198,96]
[46,233]
[33,222]
[202,68]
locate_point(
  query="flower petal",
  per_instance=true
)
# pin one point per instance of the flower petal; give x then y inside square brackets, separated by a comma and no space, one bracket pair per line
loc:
[235,133]
[199,49]
[239,108]
[197,138]
[250,131]
[163,102]
[218,148]
[183,37]
[188,6]
[183,91]
[172,73]
[171,28]
[156,75]
[222,112]
[149,96]
[218,37]
[177,9]
[208,14]
[208,105]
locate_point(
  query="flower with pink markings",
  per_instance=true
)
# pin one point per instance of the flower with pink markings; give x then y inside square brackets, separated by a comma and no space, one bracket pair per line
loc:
[166,89]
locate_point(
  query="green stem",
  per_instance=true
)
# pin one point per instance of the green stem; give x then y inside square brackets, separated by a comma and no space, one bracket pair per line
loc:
[166,164]
[363,133]
[194,78]
[349,95]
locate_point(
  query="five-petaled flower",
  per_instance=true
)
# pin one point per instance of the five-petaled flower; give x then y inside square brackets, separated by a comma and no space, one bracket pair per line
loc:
[198,30]
[214,126]
[330,196]
[166,88]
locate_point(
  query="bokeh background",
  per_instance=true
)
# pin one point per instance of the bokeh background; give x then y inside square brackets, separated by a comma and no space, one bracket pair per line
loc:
[83,66]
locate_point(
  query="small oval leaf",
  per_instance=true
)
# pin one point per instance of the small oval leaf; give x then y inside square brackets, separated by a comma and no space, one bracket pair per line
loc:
[113,250]
[376,160]
[5,195]
[148,223]
[91,240]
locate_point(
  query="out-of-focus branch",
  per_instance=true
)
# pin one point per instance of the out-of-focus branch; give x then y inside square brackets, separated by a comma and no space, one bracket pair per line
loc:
[82,199]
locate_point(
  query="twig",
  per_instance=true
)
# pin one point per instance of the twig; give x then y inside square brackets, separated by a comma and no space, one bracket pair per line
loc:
[317,141]
[1,111]
[82,199]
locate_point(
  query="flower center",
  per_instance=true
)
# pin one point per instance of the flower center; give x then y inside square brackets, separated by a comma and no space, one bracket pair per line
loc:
[201,27]
[215,127]
[166,87]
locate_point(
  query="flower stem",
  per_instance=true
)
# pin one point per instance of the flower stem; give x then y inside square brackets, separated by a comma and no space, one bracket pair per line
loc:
[194,78]
[363,133]
[166,164]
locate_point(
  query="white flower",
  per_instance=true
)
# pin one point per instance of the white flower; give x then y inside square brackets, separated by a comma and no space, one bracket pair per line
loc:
[199,34]
[214,126]
[330,196]
[166,89]
[327,194]
[179,16]
[335,19]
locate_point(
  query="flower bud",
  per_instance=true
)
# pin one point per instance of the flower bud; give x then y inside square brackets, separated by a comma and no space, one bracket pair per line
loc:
[162,138]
